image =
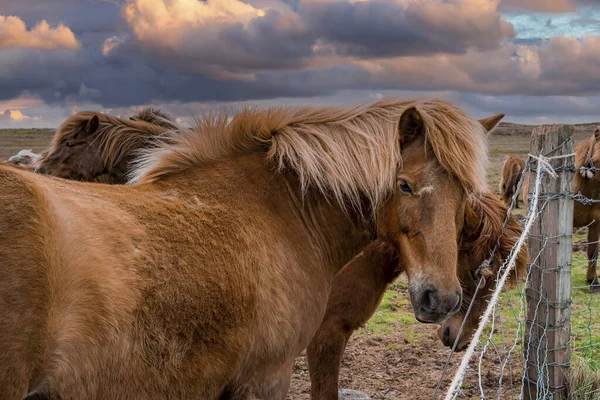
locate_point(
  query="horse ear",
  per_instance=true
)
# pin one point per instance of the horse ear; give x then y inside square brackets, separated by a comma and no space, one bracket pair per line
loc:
[411,125]
[92,125]
[597,133]
[490,123]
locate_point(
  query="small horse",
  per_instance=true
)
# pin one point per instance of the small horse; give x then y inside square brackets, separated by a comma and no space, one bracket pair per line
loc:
[512,170]
[213,270]
[25,158]
[358,288]
[587,182]
[104,150]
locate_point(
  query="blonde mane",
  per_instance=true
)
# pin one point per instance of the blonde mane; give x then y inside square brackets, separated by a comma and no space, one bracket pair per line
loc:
[341,151]
[118,138]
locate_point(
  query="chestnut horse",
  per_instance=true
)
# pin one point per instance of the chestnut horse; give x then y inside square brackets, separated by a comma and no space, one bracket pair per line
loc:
[359,287]
[587,182]
[511,173]
[213,271]
[104,150]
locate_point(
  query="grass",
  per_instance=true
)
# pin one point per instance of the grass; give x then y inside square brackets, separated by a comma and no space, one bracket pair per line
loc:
[584,381]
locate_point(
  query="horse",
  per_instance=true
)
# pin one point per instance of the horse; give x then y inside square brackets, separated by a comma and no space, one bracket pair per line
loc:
[25,158]
[212,270]
[104,150]
[587,182]
[512,169]
[358,289]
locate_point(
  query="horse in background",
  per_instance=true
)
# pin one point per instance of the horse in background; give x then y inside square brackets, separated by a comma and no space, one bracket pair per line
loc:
[213,270]
[357,290]
[104,149]
[25,158]
[587,182]
[511,173]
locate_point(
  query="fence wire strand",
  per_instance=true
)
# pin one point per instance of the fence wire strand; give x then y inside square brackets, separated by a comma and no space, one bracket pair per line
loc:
[506,314]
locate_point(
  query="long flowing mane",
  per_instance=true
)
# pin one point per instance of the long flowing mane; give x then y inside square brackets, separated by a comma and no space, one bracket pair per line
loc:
[493,233]
[343,151]
[586,155]
[118,138]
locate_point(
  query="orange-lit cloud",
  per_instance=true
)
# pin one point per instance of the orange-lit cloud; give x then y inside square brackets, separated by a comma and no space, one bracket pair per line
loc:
[167,20]
[17,116]
[14,34]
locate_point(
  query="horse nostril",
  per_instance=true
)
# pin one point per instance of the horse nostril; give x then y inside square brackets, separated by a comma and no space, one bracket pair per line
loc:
[446,338]
[40,170]
[429,300]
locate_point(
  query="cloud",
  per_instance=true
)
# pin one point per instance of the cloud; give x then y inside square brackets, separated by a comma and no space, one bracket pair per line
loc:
[236,37]
[407,27]
[14,34]
[16,116]
[552,6]
[191,54]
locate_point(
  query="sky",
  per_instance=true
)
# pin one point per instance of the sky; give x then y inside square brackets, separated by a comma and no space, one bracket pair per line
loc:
[538,61]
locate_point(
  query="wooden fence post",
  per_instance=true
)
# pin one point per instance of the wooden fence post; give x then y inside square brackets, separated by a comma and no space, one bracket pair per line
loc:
[548,322]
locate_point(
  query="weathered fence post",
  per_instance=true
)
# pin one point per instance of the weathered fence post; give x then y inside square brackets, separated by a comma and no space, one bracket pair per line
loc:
[548,325]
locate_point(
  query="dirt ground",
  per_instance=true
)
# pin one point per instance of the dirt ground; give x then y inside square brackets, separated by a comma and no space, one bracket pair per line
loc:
[390,367]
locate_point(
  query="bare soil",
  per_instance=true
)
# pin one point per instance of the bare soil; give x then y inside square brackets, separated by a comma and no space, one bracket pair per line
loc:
[388,367]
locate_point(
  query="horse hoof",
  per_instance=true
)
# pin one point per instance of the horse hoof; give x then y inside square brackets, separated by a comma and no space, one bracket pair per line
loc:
[595,287]
[349,394]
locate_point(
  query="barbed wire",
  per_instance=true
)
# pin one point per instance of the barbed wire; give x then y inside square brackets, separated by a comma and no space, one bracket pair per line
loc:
[584,337]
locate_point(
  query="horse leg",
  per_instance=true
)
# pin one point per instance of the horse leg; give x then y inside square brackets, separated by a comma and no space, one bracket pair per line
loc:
[592,252]
[355,295]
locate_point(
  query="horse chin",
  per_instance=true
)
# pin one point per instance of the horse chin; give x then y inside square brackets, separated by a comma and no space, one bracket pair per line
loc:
[448,339]
[430,318]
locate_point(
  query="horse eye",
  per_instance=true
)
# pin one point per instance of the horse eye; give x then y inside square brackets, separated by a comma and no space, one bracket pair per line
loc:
[404,186]
[70,144]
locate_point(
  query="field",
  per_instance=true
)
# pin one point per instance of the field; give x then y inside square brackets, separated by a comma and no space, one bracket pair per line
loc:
[394,356]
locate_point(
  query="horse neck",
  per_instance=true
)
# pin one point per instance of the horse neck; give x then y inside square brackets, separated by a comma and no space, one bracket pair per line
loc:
[339,235]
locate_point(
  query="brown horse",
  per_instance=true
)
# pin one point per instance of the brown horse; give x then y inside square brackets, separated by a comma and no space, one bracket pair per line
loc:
[359,287]
[214,270]
[587,182]
[512,170]
[104,149]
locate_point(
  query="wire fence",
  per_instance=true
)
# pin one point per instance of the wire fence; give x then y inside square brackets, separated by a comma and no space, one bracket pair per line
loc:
[530,337]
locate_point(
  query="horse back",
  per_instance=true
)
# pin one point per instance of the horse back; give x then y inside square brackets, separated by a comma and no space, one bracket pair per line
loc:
[24,290]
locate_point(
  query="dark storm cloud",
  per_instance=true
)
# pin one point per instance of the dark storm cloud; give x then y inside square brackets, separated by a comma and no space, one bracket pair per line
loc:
[298,49]
[386,28]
